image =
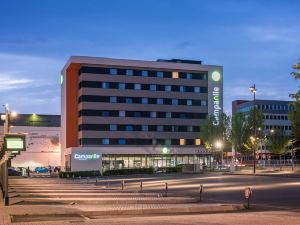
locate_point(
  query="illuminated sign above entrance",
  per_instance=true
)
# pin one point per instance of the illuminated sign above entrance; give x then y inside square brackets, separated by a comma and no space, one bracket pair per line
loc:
[86,156]
[216,76]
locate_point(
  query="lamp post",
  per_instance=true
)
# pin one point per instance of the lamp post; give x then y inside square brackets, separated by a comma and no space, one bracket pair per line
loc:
[219,145]
[5,162]
[253,90]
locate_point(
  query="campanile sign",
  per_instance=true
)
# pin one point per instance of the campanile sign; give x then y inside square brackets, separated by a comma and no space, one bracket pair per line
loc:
[215,94]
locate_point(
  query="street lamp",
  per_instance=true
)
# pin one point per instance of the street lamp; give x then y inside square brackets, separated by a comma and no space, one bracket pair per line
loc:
[253,90]
[219,145]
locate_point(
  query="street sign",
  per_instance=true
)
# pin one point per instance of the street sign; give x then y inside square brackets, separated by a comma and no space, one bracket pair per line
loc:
[14,142]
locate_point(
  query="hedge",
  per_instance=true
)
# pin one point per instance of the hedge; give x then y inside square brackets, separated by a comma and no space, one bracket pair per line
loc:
[69,174]
[97,173]
[128,171]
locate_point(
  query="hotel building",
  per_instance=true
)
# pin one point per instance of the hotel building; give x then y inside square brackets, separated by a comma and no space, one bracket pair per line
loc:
[119,113]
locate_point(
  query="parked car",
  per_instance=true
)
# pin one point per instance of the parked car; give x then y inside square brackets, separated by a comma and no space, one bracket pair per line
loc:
[14,172]
[41,170]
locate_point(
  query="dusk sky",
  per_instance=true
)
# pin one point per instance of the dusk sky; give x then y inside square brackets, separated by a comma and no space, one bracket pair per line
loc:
[255,41]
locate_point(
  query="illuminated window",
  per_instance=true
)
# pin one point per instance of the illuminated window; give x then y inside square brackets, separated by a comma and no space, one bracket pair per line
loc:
[129,72]
[197,142]
[182,141]
[113,71]
[145,73]
[160,74]
[175,75]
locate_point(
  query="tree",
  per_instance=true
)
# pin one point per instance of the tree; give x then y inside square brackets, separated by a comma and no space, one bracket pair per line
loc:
[294,115]
[277,142]
[211,133]
[243,133]
[239,132]
[296,75]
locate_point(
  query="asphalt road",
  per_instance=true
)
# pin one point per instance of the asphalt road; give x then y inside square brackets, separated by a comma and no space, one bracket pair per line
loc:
[271,192]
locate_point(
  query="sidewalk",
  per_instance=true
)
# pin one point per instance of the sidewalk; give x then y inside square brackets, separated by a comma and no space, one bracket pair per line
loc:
[271,173]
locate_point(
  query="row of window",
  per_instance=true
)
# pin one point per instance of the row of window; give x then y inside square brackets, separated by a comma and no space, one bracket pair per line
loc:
[147,87]
[268,107]
[275,127]
[275,117]
[275,107]
[143,73]
[129,127]
[139,100]
[141,114]
[136,141]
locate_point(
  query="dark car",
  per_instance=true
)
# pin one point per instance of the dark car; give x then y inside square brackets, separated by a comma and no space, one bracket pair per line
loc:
[13,172]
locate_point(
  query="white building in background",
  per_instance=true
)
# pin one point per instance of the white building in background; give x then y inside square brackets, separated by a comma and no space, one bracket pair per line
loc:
[42,139]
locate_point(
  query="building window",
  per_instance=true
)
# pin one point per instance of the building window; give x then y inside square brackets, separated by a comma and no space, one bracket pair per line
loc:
[190,128]
[197,142]
[105,141]
[144,127]
[160,128]
[182,141]
[168,88]
[168,141]
[137,114]
[145,73]
[121,113]
[160,74]
[122,141]
[144,100]
[129,128]
[159,101]
[137,86]
[113,127]
[175,75]
[189,76]
[203,103]
[197,89]
[189,102]
[129,100]
[153,114]
[174,101]
[113,71]
[113,99]
[121,86]
[152,87]
[105,85]
[129,72]
[182,88]
[168,115]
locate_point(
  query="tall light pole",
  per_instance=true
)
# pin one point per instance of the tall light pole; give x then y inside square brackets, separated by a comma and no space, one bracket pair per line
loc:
[5,163]
[219,145]
[253,90]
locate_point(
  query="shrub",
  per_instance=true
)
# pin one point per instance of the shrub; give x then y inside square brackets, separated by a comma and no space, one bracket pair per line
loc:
[128,171]
[69,174]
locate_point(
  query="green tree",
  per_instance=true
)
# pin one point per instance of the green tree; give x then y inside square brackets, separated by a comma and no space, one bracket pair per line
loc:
[277,142]
[239,132]
[294,115]
[296,75]
[214,131]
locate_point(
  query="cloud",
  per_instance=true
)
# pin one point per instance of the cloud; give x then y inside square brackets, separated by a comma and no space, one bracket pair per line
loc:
[273,34]
[30,83]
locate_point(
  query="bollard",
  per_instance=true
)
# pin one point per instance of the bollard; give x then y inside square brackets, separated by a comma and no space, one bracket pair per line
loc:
[200,192]
[73,178]
[166,193]
[79,179]
[122,184]
[96,180]
[141,187]
[248,195]
[87,180]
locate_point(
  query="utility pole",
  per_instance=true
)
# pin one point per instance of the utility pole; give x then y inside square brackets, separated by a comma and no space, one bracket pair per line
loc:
[5,169]
[253,90]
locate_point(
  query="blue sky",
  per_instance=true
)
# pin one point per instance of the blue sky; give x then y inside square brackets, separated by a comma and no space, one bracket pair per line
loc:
[256,42]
